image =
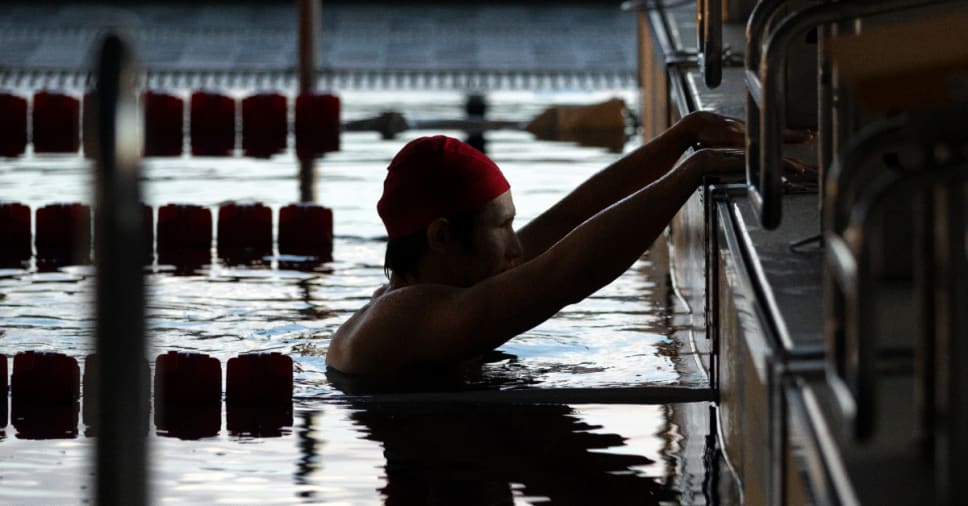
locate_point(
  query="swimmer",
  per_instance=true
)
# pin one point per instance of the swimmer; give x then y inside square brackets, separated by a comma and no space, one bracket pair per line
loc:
[463,280]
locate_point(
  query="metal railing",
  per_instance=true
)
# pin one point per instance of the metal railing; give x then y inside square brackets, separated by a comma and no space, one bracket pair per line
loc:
[767,86]
[710,34]
[857,223]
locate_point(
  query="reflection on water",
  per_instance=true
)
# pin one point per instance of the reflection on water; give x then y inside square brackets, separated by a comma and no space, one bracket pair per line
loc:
[483,454]
[429,453]
[324,451]
[310,449]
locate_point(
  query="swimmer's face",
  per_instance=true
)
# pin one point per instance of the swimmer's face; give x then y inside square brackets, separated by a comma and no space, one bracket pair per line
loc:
[495,247]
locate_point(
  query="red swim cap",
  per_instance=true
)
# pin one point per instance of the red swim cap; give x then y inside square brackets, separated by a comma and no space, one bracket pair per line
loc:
[436,177]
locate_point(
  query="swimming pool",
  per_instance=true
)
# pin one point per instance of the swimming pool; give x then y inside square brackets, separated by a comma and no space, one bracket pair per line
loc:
[339,450]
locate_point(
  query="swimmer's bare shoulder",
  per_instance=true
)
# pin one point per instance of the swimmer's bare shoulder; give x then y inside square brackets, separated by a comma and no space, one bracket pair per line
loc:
[389,333]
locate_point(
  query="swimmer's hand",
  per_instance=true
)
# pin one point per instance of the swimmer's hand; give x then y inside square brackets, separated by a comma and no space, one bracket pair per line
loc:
[710,130]
[792,167]
[717,162]
[732,162]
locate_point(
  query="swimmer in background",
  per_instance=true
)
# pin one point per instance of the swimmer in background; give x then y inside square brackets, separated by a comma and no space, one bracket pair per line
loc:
[463,281]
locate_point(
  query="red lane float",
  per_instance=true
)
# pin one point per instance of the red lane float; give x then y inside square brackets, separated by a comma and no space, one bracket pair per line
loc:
[149,227]
[182,377]
[45,377]
[56,122]
[89,393]
[258,394]
[264,124]
[212,124]
[184,235]
[306,229]
[257,378]
[63,235]
[14,234]
[3,392]
[44,390]
[188,395]
[13,128]
[317,125]
[164,124]
[244,232]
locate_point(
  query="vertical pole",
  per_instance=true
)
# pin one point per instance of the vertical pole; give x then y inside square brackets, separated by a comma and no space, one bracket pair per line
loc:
[121,393]
[925,364]
[310,26]
[952,347]
[824,117]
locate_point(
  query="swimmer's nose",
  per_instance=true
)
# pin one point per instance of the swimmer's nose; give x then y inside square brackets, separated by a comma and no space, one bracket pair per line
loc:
[514,252]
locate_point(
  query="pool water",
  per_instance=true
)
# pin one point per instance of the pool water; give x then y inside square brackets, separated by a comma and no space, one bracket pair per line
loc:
[342,450]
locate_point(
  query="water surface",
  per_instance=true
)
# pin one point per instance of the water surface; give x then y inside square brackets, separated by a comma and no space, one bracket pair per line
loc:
[337,451]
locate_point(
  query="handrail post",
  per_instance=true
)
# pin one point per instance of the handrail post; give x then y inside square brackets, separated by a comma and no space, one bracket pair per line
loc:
[122,380]
[755,27]
[951,347]
[711,41]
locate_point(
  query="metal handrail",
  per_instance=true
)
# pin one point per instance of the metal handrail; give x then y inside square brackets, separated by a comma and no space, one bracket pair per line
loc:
[756,25]
[710,33]
[773,86]
[841,185]
[861,367]
[863,225]
[855,222]
[122,380]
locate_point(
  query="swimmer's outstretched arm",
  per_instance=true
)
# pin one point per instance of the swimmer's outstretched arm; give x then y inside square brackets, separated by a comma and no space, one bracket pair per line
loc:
[446,323]
[628,175]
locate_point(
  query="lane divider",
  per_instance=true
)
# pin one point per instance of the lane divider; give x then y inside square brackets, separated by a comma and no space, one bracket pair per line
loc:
[15,242]
[45,389]
[264,124]
[306,229]
[3,391]
[317,124]
[256,378]
[258,394]
[45,376]
[213,120]
[244,233]
[212,124]
[13,128]
[148,217]
[63,235]
[56,122]
[164,123]
[184,235]
[188,395]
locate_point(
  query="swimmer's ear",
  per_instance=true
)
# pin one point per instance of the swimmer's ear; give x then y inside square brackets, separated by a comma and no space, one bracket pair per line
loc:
[438,235]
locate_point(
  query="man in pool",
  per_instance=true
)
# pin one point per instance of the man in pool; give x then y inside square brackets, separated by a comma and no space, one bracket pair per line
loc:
[463,281]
